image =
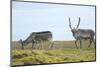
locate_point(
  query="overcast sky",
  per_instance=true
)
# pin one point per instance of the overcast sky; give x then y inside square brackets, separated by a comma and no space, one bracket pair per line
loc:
[34,17]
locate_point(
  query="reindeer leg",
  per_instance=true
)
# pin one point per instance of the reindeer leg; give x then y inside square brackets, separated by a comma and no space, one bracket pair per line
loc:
[80,44]
[35,45]
[94,42]
[76,44]
[22,46]
[32,45]
[51,45]
[90,43]
[41,44]
[38,45]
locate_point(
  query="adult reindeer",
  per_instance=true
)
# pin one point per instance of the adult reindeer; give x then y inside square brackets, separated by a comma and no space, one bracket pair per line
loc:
[37,38]
[80,34]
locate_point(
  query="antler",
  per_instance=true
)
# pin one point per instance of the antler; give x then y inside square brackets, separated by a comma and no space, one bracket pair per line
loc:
[78,23]
[70,23]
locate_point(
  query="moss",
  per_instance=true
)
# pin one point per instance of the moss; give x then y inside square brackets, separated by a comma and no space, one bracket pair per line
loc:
[21,57]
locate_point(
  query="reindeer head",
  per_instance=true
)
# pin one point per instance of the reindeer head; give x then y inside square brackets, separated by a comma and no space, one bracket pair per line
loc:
[20,41]
[74,29]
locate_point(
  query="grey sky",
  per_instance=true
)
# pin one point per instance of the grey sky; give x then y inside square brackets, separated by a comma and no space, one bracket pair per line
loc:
[34,17]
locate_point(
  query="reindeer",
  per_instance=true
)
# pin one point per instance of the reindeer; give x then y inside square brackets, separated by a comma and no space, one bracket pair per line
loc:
[38,38]
[80,34]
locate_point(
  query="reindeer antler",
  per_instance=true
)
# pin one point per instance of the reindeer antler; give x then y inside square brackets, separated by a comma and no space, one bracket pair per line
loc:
[78,23]
[70,23]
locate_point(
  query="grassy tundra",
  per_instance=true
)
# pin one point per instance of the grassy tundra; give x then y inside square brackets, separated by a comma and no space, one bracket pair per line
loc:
[63,51]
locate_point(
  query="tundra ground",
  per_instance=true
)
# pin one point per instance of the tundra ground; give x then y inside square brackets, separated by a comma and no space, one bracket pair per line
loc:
[62,51]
